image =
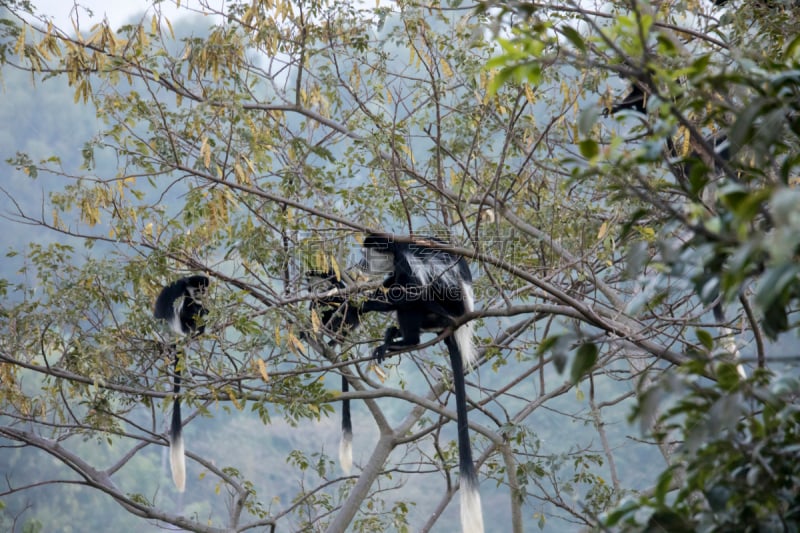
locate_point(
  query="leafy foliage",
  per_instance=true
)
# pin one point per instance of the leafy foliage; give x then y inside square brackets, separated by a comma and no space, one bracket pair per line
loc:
[721,119]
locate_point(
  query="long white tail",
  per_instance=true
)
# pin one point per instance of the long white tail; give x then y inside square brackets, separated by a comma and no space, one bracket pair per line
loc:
[463,337]
[463,334]
[728,340]
[346,451]
[464,356]
[346,442]
[177,462]
[471,513]
[177,459]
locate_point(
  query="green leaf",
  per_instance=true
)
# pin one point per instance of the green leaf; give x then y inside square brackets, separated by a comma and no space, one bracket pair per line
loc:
[745,204]
[646,22]
[558,345]
[668,520]
[547,344]
[773,284]
[585,359]
[589,148]
[740,133]
[587,118]
[793,49]
[700,65]
[665,45]
[628,507]
[775,320]
[705,338]
[728,376]
[499,78]
[663,487]
[574,37]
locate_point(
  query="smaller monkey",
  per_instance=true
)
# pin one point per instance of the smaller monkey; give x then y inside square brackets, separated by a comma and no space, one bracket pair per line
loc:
[180,305]
[338,317]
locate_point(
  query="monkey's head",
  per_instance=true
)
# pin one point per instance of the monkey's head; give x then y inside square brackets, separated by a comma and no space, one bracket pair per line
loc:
[379,254]
[196,286]
[181,302]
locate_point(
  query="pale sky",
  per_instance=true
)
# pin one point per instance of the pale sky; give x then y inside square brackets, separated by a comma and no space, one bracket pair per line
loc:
[118,12]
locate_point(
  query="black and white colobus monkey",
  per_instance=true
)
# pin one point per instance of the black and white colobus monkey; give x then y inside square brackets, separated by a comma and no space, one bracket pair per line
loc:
[429,288]
[180,304]
[339,317]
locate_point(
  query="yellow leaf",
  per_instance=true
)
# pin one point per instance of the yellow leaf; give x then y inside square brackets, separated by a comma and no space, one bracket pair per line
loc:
[648,233]
[249,165]
[20,46]
[602,231]
[406,150]
[686,146]
[316,323]
[262,369]
[529,94]
[234,400]
[295,343]
[446,70]
[241,177]
[205,152]
[379,372]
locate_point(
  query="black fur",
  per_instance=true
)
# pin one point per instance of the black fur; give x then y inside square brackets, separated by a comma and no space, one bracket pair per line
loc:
[635,100]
